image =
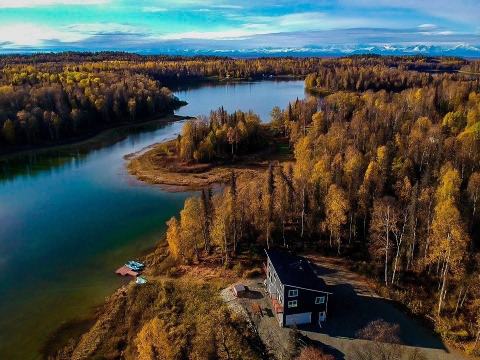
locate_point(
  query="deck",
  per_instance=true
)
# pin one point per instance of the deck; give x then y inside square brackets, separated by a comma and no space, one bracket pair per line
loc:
[126,271]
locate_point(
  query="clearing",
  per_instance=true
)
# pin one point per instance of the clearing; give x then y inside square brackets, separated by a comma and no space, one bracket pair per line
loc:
[353,305]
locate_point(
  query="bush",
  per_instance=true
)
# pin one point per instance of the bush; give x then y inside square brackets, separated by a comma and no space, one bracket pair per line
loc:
[173,272]
[253,273]
[470,349]
[313,353]
[238,269]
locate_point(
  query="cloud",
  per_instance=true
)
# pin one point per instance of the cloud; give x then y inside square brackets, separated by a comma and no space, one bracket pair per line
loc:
[29,34]
[298,43]
[315,20]
[20,35]
[427,26]
[154,9]
[464,11]
[226,6]
[39,3]
[233,25]
[88,29]
[232,34]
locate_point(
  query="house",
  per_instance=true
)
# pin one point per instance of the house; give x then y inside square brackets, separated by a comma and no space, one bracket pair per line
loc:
[298,295]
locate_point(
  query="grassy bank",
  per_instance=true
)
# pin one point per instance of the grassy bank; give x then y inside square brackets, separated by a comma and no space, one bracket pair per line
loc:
[161,166]
[177,314]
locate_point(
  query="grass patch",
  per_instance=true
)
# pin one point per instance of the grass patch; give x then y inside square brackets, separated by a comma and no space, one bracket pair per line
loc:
[179,318]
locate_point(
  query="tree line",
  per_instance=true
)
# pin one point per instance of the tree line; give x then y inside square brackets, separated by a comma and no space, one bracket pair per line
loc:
[389,178]
[41,106]
[356,76]
[48,98]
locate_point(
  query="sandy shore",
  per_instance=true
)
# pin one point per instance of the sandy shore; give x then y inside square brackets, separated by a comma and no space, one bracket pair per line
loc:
[153,166]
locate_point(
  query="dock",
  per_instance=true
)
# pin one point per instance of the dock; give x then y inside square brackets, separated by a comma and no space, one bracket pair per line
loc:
[126,271]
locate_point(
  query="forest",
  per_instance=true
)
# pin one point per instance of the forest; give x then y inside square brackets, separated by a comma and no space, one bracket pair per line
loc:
[382,170]
[39,105]
[221,136]
[385,172]
[53,98]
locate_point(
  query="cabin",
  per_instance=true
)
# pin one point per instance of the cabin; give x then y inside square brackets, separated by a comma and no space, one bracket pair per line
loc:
[298,295]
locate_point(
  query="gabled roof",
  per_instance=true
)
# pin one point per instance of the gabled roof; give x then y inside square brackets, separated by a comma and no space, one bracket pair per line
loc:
[296,271]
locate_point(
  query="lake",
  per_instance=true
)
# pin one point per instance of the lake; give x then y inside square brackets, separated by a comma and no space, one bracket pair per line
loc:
[70,216]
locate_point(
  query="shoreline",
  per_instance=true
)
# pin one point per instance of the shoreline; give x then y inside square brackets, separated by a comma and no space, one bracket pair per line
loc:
[151,166]
[214,175]
[92,137]
[80,140]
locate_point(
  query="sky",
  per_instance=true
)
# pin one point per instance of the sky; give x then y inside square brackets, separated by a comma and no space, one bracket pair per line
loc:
[323,27]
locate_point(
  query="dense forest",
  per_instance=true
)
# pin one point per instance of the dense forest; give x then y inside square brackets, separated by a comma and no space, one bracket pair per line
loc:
[385,172]
[41,105]
[221,136]
[50,98]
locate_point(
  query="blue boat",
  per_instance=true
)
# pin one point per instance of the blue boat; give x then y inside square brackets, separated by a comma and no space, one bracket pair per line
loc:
[135,265]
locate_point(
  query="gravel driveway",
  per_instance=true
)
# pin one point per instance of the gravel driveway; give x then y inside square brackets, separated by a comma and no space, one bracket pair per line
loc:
[353,305]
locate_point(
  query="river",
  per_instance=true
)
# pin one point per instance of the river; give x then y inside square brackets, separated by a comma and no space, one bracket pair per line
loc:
[69,216]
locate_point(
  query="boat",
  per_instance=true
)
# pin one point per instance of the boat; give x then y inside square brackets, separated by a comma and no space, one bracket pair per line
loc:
[140,280]
[134,268]
[135,265]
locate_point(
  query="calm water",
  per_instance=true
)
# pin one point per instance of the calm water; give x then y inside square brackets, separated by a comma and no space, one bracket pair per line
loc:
[70,216]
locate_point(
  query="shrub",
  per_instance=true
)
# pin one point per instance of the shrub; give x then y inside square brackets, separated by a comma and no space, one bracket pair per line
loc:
[238,269]
[313,353]
[253,273]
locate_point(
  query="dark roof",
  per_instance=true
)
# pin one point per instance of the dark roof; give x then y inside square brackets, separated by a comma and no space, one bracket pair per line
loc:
[296,271]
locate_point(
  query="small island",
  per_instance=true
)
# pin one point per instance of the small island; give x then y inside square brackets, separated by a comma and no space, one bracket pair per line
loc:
[209,149]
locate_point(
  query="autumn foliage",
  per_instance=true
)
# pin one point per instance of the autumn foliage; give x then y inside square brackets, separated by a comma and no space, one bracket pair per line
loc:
[386,172]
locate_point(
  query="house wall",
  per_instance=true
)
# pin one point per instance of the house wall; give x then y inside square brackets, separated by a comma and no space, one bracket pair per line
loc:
[276,289]
[274,286]
[305,298]
[305,302]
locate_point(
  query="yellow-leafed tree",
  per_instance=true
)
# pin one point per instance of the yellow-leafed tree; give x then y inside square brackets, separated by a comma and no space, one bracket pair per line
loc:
[336,208]
[449,238]
[153,343]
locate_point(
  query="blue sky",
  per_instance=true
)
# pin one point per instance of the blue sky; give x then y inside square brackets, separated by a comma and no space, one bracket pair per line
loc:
[322,26]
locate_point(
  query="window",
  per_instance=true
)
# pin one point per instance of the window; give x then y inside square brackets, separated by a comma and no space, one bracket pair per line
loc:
[322,316]
[292,303]
[292,293]
[320,300]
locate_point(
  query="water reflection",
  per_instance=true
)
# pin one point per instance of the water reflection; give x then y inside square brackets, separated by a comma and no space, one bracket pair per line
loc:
[32,163]
[70,215]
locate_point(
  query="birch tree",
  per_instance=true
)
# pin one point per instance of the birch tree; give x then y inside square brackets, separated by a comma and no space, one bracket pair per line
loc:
[382,228]
[302,171]
[337,207]
[449,238]
[473,190]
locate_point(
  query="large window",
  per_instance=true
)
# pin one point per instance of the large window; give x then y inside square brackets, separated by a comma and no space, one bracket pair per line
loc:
[293,293]
[292,303]
[320,300]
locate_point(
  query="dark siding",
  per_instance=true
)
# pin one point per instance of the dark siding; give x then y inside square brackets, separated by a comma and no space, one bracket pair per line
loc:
[305,301]
[273,283]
